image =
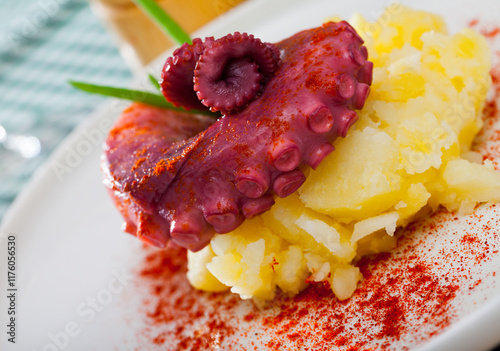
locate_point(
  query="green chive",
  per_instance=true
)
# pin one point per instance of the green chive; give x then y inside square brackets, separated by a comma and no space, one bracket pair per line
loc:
[154,81]
[134,95]
[164,21]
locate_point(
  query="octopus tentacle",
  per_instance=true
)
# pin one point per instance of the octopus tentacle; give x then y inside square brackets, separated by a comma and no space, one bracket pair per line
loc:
[201,178]
[144,151]
[232,71]
[178,72]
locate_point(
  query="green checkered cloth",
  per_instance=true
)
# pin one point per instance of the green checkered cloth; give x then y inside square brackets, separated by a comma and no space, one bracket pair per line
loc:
[43,44]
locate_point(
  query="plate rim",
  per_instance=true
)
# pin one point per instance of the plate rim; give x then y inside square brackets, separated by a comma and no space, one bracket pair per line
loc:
[480,323]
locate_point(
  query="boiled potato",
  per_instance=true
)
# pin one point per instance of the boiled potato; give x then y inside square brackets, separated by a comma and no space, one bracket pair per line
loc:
[402,156]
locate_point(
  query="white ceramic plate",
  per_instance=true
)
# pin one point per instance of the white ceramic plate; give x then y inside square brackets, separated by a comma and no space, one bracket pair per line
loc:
[77,280]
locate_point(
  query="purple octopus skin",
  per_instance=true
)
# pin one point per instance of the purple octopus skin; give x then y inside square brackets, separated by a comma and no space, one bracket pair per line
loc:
[178,74]
[223,75]
[177,177]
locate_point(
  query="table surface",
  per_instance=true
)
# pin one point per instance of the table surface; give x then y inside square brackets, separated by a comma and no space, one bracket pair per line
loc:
[43,44]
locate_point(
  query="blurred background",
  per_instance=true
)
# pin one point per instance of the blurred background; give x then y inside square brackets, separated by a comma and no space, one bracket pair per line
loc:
[45,43]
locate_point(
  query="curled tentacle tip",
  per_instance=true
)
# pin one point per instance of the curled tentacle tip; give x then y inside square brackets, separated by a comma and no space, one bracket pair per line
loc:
[232,71]
[221,75]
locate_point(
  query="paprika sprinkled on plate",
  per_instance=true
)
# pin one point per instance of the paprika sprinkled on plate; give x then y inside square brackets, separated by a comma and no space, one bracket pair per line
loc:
[417,287]
[441,270]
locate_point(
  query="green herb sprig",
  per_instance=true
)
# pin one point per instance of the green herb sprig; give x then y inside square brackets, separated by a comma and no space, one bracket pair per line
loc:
[174,31]
[133,95]
[155,82]
[163,20]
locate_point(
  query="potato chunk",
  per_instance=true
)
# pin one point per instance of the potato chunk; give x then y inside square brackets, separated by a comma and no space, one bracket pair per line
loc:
[403,155]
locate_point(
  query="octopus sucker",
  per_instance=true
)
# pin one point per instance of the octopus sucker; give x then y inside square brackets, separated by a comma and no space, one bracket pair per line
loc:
[183,177]
[255,207]
[178,74]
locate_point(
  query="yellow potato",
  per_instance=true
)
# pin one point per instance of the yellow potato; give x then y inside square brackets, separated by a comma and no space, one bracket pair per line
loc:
[402,155]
